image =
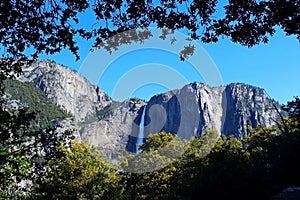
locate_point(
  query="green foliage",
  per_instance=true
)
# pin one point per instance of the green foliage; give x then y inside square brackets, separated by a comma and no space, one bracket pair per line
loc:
[213,167]
[159,150]
[28,95]
[208,167]
[14,162]
[246,22]
[293,109]
[78,173]
[157,141]
[105,112]
[24,152]
[25,147]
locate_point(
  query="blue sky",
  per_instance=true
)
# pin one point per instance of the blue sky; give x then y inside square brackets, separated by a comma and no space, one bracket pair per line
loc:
[274,66]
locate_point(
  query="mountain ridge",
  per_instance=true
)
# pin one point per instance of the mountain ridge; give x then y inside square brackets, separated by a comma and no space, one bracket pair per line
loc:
[187,111]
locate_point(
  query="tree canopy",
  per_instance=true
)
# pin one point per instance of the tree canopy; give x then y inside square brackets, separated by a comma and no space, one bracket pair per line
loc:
[52,25]
[256,167]
[28,28]
[78,173]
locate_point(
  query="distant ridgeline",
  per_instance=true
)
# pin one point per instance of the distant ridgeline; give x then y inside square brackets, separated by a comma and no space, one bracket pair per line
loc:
[112,125]
[27,95]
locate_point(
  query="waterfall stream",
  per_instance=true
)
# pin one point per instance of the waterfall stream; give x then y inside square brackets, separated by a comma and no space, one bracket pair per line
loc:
[140,138]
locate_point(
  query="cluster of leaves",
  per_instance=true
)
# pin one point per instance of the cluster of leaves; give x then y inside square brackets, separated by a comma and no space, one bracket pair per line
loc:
[79,172]
[52,25]
[44,26]
[257,167]
[24,151]
[26,147]
[246,22]
[14,164]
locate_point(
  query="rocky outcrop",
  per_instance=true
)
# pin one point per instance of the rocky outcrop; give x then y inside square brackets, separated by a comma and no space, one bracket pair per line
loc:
[99,120]
[113,131]
[189,111]
[67,89]
[247,106]
[197,107]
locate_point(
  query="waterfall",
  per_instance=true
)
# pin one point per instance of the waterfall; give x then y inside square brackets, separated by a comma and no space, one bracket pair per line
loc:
[140,138]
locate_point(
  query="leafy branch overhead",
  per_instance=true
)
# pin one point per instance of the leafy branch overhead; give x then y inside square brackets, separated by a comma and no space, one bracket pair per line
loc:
[47,27]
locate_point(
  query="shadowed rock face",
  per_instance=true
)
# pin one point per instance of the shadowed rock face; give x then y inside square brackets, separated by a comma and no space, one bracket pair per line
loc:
[228,109]
[247,105]
[112,126]
[190,110]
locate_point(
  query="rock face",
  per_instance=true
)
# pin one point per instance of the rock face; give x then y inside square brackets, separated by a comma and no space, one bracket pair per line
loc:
[113,131]
[67,89]
[101,121]
[197,107]
[248,105]
[188,111]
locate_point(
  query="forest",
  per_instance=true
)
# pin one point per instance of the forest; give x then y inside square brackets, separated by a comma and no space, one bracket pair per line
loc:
[37,162]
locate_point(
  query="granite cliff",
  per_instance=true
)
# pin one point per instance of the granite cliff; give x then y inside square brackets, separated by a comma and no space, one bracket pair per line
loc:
[197,107]
[112,125]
